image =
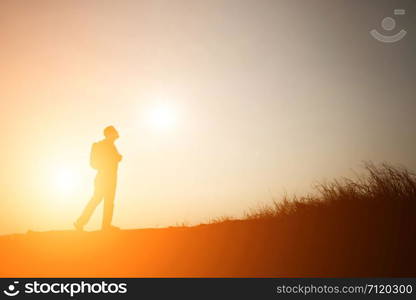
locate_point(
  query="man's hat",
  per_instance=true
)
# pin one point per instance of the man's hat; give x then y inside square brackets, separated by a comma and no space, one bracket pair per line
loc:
[110,130]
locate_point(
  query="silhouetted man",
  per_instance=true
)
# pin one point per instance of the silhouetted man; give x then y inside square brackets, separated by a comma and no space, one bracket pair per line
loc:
[104,158]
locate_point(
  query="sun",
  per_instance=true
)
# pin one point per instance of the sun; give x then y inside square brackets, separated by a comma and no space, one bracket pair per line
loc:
[65,180]
[62,176]
[162,117]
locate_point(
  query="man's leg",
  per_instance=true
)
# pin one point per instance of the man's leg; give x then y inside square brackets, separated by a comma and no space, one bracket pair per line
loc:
[109,196]
[89,209]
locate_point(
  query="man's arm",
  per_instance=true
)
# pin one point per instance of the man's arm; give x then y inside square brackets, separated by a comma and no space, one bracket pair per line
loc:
[119,157]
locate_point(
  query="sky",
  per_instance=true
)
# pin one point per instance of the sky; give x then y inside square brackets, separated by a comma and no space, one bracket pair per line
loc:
[221,105]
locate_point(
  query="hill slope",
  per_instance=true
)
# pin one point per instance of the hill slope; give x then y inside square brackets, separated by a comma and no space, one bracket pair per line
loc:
[351,228]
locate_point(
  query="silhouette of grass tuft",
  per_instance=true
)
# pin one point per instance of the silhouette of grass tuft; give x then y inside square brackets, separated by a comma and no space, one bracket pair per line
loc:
[385,186]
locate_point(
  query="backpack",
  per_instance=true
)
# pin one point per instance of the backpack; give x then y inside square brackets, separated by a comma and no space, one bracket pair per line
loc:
[95,156]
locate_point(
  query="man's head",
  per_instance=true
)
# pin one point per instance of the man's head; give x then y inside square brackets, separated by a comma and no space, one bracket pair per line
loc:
[111,133]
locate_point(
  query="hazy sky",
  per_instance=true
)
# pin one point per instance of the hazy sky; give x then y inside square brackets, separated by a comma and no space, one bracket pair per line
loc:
[220,105]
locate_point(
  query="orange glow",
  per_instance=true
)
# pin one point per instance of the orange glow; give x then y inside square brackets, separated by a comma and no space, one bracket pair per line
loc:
[218,110]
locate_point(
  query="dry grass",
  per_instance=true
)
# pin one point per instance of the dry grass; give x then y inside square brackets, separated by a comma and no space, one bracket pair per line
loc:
[384,186]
